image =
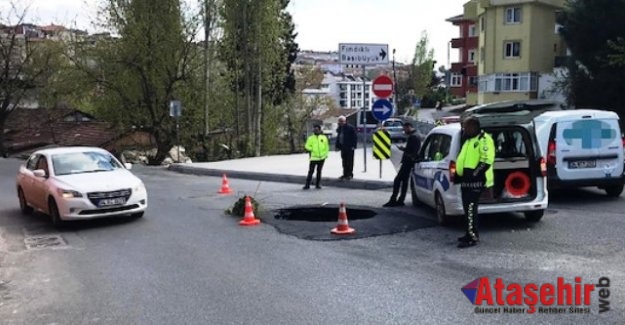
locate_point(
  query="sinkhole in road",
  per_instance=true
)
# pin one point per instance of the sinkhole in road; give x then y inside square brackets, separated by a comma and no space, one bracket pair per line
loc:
[322,214]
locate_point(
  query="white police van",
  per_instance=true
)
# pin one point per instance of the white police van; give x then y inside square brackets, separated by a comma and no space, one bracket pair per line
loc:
[583,147]
[519,168]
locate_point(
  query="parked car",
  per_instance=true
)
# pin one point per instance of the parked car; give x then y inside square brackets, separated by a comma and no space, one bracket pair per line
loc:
[449,119]
[519,168]
[75,183]
[583,147]
[395,128]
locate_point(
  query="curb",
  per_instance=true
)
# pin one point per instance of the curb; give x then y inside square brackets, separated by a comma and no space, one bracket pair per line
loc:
[354,183]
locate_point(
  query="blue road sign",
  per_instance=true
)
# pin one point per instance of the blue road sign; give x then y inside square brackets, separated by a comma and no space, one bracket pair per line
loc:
[175,108]
[382,109]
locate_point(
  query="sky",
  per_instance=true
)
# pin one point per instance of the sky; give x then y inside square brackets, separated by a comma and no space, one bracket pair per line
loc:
[320,24]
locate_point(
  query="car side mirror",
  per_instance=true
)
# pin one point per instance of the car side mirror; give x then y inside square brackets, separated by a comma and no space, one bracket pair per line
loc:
[128,165]
[39,173]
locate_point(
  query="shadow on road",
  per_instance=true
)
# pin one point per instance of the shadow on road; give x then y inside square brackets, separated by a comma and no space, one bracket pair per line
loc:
[37,222]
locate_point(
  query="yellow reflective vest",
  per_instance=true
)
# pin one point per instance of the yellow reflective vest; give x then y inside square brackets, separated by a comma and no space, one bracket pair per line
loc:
[318,147]
[479,149]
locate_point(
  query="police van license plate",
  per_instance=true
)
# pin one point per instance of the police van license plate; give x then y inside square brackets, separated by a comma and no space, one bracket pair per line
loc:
[111,202]
[582,164]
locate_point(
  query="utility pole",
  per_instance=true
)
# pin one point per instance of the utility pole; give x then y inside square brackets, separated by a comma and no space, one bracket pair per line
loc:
[364,115]
[395,96]
[207,29]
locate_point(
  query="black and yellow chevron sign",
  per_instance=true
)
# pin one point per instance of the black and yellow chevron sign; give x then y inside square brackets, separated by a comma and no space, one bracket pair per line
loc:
[381,145]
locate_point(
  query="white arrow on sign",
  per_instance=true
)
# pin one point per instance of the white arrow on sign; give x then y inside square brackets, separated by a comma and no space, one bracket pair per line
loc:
[385,109]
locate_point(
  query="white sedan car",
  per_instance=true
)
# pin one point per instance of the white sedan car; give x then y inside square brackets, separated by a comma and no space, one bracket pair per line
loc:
[76,183]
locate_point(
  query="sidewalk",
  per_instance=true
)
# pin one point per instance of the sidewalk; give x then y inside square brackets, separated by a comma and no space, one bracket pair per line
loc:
[293,169]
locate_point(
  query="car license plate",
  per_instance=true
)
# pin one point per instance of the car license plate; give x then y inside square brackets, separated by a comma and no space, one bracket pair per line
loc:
[111,202]
[582,164]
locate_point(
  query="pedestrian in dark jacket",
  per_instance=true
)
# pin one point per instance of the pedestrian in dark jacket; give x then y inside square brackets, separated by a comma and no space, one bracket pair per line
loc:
[408,159]
[346,142]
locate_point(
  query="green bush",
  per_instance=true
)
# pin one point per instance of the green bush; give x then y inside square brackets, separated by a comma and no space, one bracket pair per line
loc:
[238,209]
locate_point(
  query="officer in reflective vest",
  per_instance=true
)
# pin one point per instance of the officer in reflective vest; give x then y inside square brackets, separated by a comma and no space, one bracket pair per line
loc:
[474,168]
[318,148]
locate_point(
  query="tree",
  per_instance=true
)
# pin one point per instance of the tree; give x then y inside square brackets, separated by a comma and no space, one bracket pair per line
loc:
[422,66]
[593,32]
[26,63]
[297,109]
[254,54]
[285,85]
[420,74]
[148,65]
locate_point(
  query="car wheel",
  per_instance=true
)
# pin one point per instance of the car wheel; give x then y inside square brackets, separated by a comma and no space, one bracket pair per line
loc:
[137,215]
[534,216]
[614,190]
[53,210]
[413,194]
[441,214]
[24,207]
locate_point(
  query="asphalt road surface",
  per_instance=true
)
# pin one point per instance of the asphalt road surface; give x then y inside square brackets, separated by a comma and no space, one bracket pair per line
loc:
[186,262]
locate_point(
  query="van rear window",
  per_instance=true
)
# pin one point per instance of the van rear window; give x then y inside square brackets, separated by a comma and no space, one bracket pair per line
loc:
[509,143]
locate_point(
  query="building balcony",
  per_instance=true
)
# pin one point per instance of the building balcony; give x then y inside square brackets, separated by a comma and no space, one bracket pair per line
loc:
[457,43]
[457,67]
[471,42]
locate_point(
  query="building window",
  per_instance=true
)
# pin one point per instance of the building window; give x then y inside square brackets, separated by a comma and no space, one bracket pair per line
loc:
[482,23]
[512,50]
[557,28]
[472,31]
[513,15]
[482,54]
[472,56]
[483,85]
[456,80]
[473,81]
[515,82]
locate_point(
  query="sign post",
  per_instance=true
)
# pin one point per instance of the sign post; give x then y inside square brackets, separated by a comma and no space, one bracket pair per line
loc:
[363,54]
[381,146]
[364,116]
[175,110]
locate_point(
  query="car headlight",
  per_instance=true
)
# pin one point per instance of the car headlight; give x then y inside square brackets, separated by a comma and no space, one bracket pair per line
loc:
[68,194]
[139,188]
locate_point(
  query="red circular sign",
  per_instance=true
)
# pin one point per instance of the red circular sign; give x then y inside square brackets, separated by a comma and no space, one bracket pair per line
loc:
[382,86]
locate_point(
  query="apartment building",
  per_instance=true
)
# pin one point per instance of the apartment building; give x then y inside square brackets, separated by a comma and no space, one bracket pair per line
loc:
[345,89]
[463,80]
[518,45]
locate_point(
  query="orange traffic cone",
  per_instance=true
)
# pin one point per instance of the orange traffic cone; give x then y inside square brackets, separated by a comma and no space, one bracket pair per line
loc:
[225,188]
[249,219]
[342,228]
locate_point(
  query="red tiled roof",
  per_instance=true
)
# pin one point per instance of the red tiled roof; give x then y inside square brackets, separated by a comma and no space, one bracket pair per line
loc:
[28,128]
[52,28]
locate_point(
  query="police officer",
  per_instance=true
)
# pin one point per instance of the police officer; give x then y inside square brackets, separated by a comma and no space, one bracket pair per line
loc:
[318,148]
[408,159]
[474,168]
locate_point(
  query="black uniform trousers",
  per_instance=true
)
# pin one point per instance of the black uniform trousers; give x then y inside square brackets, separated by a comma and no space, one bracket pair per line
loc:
[471,193]
[311,168]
